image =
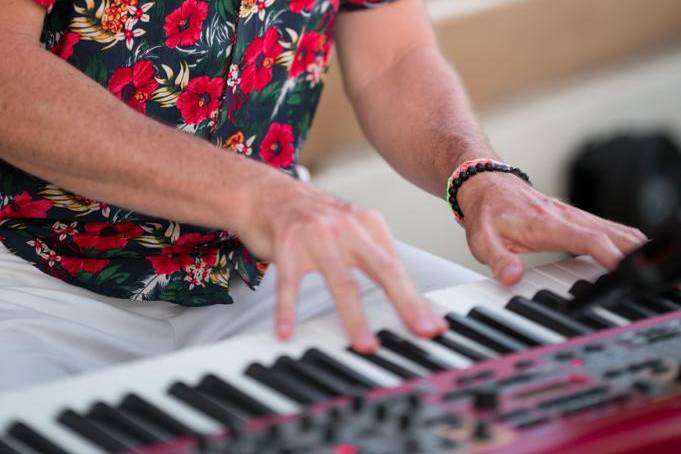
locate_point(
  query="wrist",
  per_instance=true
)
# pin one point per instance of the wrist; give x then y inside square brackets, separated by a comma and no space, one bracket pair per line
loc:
[468,183]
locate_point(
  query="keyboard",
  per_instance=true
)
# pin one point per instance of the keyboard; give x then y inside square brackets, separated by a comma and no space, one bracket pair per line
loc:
[466,390]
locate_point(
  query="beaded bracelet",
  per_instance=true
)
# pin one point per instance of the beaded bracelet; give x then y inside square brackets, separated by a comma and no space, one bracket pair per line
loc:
[473,167]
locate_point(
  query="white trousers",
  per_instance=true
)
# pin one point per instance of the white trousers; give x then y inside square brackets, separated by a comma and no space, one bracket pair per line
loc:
[50,329]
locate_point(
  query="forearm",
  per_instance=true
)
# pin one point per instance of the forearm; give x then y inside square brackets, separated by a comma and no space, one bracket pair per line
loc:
[418,117]
[104,150]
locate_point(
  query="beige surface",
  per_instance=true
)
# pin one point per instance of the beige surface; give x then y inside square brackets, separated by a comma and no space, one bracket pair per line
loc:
[504,47]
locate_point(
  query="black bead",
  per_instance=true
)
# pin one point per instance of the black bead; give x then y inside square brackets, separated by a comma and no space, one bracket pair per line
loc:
[489,166]
[458,181]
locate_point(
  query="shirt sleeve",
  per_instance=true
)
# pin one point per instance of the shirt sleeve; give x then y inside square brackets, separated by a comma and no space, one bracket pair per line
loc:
[354,5]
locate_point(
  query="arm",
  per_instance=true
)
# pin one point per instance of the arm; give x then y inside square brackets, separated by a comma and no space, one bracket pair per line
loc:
[414,109]
[106,151]
[103,149]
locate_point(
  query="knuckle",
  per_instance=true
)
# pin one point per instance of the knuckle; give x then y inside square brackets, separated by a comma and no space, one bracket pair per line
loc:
[368,217]
[346,284]
[597,239]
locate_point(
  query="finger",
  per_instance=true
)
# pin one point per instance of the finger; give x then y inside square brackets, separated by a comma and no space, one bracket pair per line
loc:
[489,248]
[625,238]
[288,285]
[345,291]
[560,235]
[388,271]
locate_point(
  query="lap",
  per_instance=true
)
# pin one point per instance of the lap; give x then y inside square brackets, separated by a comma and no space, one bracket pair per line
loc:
[50,329]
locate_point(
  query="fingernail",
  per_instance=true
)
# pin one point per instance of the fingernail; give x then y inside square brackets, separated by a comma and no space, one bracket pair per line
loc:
[284,330]
[366,343]
[510,273]
[440,324]
[426,325]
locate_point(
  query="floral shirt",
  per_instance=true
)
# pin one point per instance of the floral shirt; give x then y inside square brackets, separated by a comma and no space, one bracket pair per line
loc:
[245,75]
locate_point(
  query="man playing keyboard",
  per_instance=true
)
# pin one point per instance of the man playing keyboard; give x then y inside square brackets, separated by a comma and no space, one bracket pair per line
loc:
[148,176]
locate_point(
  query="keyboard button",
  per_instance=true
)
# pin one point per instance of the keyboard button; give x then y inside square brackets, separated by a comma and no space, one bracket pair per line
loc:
[626,310]
[93,432]
[519,328]
[108,416]
[381,361]
[546,317]
[483,334]
[657,304]
[403,347]
[33,439]
[203,403]
[284,384]
[320,378]
[6,448]
[218,388]
[461,349]
[148,412]
[318,357]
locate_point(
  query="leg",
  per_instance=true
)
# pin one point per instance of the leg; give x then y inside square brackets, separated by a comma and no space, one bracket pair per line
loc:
[254,311]
[49,329]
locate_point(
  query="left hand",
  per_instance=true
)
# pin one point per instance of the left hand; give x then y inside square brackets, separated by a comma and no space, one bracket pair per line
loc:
[504,216]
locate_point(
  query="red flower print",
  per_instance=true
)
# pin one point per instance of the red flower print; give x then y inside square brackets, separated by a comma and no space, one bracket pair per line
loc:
[47,4]
[135,85]
[260,57]
[75,264]
[306,53]
[277,145]
[169,264]
[302,5]
[200,99]
[103,236]
[64,47]
[24,207]
[177,256]
[183,26]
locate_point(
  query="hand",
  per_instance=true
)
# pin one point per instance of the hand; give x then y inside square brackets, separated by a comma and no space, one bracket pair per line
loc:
[302,230]
[505,216]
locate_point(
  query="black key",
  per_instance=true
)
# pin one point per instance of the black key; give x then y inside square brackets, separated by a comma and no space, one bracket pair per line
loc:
[210,384]
[5,448]
[581,287]
[285,385]
[204,403]
[586,317]
[120,421]
[461,349]
[673,296]
[593,320]
[384,363]
[320,377]
[323,360]
[411,351]
[93,432]
[626,310]
[500,323]
[33,439]
[483,334]
[140,408]
[546,317]
[657,304]
[552,300]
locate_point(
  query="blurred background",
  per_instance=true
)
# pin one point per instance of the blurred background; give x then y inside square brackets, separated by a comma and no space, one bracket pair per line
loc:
[584,95]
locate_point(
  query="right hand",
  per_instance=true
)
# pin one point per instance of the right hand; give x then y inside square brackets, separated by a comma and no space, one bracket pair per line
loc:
[303,230]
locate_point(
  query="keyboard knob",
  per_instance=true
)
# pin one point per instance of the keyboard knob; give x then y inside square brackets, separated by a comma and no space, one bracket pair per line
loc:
[485,399]
[482,431]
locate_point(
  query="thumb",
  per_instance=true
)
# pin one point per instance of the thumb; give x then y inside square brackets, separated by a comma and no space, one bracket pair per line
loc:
[491,250]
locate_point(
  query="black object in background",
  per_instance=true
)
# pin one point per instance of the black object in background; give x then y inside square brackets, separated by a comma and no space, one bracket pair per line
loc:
[635,180]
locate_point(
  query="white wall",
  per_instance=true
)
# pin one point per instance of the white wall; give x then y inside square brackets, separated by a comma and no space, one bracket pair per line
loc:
[537,133]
